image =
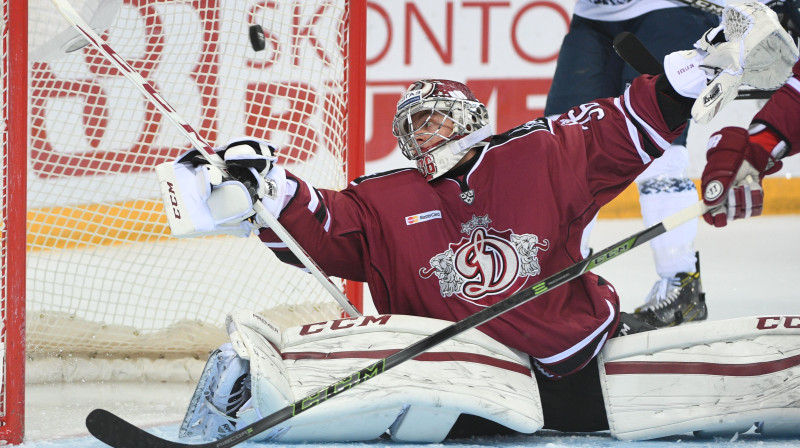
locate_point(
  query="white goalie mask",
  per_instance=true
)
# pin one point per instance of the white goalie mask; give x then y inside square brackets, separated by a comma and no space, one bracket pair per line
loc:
[437,121]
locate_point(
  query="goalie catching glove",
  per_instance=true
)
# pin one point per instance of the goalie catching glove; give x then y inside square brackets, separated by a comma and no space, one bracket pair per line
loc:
[749,47]
[200,199]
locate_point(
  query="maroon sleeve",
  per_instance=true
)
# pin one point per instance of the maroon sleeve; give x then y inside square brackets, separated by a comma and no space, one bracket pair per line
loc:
[782,112]
[327,225]
[617,138]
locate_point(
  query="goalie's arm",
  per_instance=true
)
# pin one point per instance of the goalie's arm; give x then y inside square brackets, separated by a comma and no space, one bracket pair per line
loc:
[204,202]
[329,224]
[781,114]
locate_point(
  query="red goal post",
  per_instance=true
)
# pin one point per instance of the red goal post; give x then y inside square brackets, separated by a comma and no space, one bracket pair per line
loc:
[103,274]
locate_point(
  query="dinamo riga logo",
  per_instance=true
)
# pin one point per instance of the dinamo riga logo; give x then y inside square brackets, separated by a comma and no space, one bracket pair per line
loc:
[486,263]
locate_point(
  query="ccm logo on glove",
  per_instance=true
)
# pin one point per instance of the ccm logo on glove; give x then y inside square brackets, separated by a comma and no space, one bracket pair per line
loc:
[173,198]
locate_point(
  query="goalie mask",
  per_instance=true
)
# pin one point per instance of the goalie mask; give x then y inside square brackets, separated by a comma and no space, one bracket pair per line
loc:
[437,121]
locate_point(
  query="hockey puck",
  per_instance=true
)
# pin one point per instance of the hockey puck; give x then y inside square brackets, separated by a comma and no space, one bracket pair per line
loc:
[257,37]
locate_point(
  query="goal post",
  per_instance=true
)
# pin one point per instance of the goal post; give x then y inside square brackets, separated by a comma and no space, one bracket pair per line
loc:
[15,84]
[104,279]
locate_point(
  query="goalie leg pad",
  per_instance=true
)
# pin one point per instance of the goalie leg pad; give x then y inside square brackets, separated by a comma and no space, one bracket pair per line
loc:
[241,380]
[417,401]
[470,374]
[223,387]
[709,377]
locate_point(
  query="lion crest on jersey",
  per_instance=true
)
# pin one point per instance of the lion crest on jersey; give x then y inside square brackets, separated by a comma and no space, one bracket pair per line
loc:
[486,262]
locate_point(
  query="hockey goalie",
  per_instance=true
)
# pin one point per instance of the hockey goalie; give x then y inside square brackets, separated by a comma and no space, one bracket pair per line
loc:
[481,217]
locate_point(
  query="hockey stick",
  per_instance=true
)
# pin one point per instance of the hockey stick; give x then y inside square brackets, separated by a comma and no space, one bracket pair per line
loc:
[635,54]
[200,144]
[118,433]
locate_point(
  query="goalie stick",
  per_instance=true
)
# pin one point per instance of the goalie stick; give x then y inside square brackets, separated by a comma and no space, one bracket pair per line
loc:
[635,54]
[118,433]
[200,144]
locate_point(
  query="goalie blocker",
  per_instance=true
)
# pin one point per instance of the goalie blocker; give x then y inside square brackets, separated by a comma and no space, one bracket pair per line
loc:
[711,378]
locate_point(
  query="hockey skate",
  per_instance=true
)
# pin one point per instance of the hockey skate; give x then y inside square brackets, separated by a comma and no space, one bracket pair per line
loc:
[675,300]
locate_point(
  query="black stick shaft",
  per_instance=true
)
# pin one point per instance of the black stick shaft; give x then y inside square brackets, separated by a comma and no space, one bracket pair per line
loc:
[635,54]
[118,433]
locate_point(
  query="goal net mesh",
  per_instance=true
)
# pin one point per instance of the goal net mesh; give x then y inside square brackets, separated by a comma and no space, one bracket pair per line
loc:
[104,275]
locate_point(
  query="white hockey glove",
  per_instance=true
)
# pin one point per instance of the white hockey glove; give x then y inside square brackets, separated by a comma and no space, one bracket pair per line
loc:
[252,162]
[201,201]
[749,47]
[248,161]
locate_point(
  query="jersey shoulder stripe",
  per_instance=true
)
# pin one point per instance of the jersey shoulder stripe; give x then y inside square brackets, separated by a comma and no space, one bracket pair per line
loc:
[379,175]
[539,124]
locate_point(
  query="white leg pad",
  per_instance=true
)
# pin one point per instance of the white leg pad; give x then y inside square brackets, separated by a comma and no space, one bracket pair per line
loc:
[416,401]
[711,378]
[420,424]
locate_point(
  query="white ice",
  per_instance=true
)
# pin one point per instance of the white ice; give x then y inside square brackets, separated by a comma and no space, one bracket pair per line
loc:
[748,268]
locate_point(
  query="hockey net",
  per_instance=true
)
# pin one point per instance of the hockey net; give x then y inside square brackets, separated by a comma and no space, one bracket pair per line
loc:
[104,278]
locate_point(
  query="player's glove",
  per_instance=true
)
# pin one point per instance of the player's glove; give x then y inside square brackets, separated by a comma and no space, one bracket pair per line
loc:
[201,199]
[250,162]
[731,181]
[749,47]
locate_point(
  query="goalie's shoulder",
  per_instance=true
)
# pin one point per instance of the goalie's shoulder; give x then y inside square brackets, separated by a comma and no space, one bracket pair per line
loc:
[540,125]
[396,175]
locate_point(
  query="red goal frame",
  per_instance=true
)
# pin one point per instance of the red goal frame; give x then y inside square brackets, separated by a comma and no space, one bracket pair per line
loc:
[15,87]
[15,82]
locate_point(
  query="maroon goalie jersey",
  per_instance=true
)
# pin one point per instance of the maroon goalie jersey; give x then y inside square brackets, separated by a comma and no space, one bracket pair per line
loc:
[448,248]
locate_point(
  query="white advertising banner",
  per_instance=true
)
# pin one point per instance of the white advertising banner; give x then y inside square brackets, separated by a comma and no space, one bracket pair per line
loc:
[504,50]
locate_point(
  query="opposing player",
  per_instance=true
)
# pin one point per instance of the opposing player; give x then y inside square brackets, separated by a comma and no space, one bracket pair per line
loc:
[589,68]
[483,216]
[738,159]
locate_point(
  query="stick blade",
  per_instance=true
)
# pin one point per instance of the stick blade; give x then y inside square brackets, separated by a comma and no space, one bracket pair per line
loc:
[116,432]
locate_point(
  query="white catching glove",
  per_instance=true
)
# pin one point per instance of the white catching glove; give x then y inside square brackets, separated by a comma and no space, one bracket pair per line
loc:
[200,201]
[749,47]
[252,162]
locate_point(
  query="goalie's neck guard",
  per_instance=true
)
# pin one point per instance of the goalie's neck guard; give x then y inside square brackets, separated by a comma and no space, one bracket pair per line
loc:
[438,161]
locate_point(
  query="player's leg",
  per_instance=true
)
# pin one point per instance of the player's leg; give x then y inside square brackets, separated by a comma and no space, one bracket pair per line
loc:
[265,368]
[587,67]
[665,188]
[573,403]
